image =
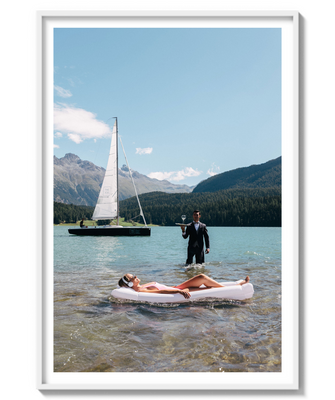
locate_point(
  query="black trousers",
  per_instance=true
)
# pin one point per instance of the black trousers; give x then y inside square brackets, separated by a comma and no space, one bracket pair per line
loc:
[199,256]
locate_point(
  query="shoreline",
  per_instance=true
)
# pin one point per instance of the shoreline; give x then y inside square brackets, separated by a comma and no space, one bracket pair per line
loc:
[171,226]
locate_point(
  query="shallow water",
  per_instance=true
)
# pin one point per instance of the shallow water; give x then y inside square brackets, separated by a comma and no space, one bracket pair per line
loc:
[95,332]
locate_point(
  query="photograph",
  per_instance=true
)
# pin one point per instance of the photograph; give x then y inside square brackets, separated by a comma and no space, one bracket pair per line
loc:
[168,259]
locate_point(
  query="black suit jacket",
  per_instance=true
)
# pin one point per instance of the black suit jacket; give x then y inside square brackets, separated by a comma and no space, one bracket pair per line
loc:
[196,238]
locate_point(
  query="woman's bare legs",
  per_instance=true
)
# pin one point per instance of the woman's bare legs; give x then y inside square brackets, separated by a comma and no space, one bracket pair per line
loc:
[204,280]
[198,281]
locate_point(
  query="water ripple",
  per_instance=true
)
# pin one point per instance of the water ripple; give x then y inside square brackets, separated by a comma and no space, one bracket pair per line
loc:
[93,332]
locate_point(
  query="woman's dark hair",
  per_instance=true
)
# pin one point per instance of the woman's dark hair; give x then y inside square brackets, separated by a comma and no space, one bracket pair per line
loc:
[121,283]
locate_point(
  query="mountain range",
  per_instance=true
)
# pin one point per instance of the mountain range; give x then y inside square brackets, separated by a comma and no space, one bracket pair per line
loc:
[78,182]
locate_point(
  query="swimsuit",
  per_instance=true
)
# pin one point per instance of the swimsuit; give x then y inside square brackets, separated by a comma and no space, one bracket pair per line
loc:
[158,286]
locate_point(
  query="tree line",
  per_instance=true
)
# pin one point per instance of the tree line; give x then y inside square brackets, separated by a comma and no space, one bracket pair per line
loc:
[70,213]
[232,207]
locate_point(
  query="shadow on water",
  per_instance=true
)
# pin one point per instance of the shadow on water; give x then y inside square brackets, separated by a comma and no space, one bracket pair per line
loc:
[208,303]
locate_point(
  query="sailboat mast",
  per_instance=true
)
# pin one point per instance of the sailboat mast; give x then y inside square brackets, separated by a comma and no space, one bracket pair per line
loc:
[117,169]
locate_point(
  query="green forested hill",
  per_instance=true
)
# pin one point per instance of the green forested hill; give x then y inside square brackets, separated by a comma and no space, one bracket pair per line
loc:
[239,207]
[265,175]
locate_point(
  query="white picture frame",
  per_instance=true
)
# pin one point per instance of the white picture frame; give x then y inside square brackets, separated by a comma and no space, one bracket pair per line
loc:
[46,20]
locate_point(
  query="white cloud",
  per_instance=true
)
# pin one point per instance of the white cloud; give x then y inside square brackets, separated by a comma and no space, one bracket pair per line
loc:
[58,134]
[160,175]
[78,123]
[62,92]
[75,137]
[147,150]
[175,175]
[188,171]
[56,146]
[214,170]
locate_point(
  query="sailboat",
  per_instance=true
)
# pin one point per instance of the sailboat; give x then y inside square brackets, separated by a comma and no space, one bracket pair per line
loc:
[107,206]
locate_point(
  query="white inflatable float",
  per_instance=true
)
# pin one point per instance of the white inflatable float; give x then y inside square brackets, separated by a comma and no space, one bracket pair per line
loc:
[230,291]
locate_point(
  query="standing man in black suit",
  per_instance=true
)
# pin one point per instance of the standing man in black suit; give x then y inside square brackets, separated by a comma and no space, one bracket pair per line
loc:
[196,232]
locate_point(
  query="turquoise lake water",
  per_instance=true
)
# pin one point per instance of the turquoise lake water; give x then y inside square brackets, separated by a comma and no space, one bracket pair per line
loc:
[95,332]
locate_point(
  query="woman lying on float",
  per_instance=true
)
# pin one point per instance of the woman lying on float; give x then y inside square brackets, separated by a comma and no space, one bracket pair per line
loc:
[191,285]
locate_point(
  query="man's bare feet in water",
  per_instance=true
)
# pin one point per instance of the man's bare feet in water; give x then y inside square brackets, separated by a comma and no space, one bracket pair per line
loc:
[247,279]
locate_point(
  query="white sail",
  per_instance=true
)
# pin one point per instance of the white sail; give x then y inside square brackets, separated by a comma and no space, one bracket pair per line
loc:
[107,205]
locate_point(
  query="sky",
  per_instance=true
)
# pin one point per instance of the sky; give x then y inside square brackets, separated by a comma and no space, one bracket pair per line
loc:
[190,102]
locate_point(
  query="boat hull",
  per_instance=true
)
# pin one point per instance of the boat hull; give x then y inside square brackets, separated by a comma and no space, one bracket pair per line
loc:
[111,231]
